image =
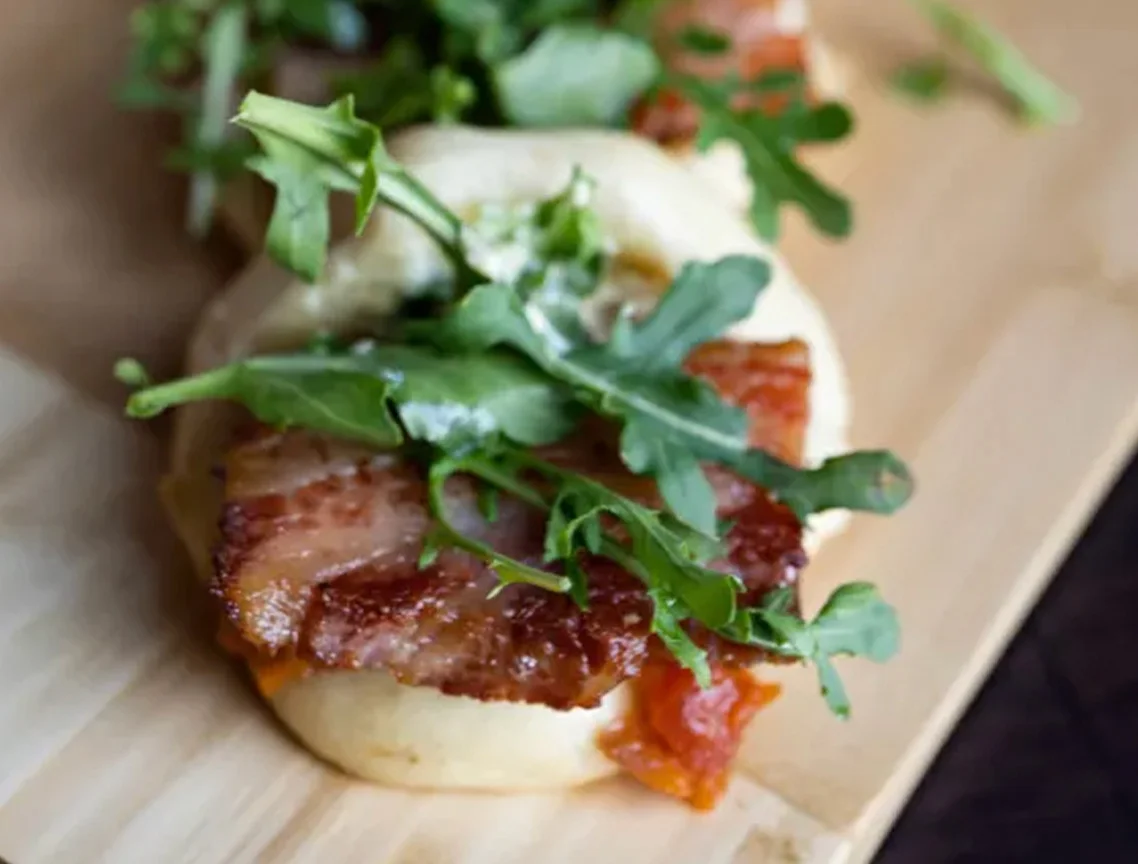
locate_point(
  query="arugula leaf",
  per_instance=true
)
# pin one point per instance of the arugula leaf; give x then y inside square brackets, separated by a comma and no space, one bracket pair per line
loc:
[854,621]
[666,553]
[488,503]
[831,687]
[704,300]
[536,14]
[1038,100]
[398,89]
[701,40]
[225,160]
[873,481]
[190,56]
[141,92]
[457,401]
[666,618]
[169,36]
[767,145]
[825,123]
[645,449]
[132,373]
[300,226]
[568,228]
[922,80]
[307,148]
[575,75]
[453,402]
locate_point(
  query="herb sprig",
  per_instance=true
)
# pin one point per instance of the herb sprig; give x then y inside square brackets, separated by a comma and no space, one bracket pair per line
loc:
[768,143]
[508,365]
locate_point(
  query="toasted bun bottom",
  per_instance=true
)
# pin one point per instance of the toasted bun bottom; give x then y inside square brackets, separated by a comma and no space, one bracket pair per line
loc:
[365,721]
[378,729]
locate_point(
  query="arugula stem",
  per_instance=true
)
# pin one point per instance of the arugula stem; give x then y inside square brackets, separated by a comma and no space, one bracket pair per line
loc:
[401,191]
[157,398]
[223,49]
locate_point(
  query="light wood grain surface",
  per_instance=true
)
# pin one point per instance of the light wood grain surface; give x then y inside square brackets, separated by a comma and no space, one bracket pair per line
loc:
[985,306]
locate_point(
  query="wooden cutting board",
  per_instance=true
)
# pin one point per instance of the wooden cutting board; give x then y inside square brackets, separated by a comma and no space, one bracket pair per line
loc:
[985,306]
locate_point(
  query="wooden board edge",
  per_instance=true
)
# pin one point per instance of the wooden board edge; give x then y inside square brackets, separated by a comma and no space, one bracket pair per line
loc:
[866,834]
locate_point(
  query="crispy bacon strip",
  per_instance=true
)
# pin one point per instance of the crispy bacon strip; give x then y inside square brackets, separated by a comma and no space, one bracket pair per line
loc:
[770,381]
[761,41]
[321,541]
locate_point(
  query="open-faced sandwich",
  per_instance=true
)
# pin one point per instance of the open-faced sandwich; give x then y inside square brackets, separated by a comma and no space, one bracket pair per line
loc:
[515,489]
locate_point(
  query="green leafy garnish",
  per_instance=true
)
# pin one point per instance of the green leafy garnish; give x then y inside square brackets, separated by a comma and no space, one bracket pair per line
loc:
[872,481]
[453,402]
[289,391]
[458,401]
[671,560]
[506,362]
[576,75]
[853,622]
[922,80]
[700,40]
[666,555]
[767,144]
[663,409]
[308,153]
[1038,100]
[671,421]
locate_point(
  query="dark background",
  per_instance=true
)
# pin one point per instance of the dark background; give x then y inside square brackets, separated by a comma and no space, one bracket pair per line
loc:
[1044,766]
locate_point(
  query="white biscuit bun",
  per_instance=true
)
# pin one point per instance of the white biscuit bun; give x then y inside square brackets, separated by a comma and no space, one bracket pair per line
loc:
[363,721]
